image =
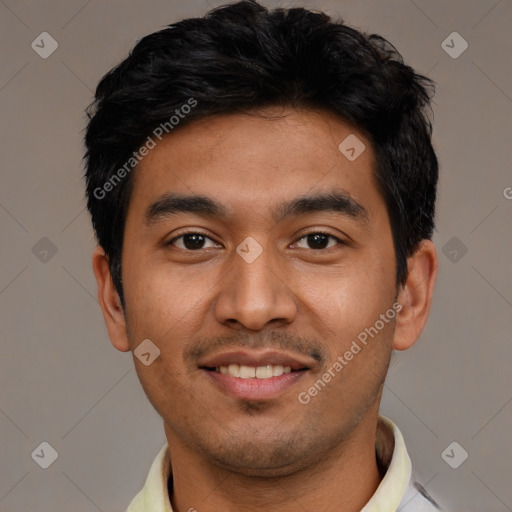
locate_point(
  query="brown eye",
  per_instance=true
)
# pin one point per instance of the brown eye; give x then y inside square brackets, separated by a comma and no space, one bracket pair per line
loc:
[191,241]
[318,241]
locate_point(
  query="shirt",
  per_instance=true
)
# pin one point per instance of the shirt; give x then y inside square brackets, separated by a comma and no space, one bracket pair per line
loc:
[398,491]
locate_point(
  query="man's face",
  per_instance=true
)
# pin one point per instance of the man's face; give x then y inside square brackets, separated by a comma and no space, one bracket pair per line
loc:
[249,287]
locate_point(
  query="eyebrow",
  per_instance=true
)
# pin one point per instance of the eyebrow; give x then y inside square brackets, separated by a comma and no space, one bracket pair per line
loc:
[335,202]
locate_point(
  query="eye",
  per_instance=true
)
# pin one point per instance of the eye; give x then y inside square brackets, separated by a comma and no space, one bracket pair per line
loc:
[191,241]
[319,240]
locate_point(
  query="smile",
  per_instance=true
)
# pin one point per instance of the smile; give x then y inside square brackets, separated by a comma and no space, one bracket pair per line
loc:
[253,372]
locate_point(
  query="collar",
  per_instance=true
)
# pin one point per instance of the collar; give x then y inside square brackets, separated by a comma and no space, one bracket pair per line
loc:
[393,492]
[391,453]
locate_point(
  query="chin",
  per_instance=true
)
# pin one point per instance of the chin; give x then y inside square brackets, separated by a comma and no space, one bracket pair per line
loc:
[263,459]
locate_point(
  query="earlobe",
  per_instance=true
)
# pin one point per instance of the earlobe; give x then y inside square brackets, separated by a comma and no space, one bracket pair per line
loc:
[415,296]
[110,301]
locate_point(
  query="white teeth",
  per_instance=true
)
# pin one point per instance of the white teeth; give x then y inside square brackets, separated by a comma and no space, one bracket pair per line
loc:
[250,372]
[264,372]
[277,370]
[247,372]
[234,370]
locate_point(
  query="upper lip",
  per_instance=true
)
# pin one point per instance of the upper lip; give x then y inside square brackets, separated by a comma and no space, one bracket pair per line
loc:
[257,358]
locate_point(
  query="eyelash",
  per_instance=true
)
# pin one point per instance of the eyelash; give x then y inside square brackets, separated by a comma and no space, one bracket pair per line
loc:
[340,242]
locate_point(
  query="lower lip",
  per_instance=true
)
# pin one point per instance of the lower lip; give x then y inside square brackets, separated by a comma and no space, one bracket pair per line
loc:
[255,389]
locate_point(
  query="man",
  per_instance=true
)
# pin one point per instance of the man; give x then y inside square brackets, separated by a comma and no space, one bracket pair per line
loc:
[262,186]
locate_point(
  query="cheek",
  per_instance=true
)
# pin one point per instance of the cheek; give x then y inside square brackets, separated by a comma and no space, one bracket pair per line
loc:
[347,300]
[160,300]
[162,306]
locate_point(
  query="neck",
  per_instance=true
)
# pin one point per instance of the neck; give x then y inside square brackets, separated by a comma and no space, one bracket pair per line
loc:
[344,479]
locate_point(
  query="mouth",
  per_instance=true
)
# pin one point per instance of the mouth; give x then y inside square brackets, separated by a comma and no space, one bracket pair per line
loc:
[255,376]
[243,371]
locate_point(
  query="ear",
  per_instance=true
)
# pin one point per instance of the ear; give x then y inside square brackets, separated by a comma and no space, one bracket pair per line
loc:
[110,301]
[415,296]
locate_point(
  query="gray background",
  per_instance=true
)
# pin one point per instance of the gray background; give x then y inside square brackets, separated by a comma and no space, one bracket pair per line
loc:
[61,380]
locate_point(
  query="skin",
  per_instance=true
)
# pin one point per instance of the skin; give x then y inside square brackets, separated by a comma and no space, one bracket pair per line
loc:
[277,454]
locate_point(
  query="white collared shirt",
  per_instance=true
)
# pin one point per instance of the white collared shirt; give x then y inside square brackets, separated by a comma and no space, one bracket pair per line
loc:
[397,492]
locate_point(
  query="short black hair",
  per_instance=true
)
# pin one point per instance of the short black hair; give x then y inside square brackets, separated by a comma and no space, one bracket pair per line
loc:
[241,57]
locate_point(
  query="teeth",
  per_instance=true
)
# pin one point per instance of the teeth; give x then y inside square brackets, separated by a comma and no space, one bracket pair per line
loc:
[264,372]
[234,370]
[251,372]
[247,372]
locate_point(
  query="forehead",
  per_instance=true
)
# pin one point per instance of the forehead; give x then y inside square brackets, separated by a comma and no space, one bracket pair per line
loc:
[252,162]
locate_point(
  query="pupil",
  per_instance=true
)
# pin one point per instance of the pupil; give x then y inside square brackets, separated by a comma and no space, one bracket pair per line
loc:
[318,240]
[197,240]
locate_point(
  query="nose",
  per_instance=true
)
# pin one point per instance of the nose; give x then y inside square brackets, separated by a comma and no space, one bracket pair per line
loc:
[256,294]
